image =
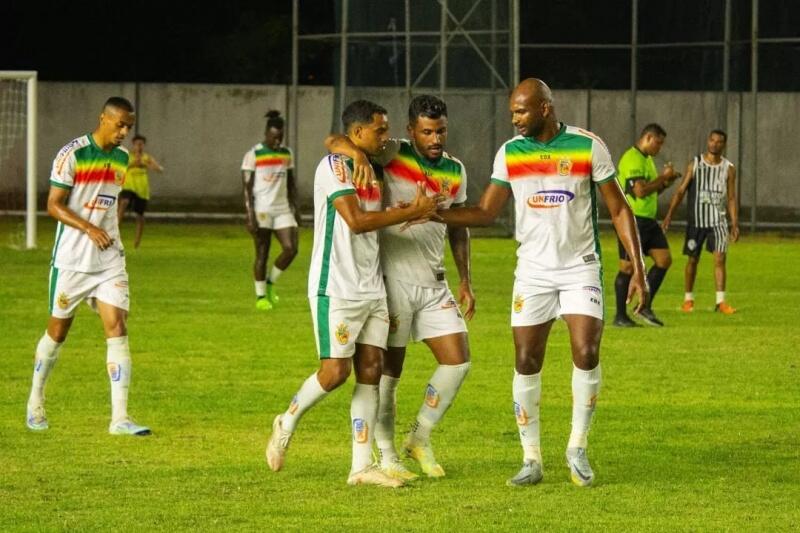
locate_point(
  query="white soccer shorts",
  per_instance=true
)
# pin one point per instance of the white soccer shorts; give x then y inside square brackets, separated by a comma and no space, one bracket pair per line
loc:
[549,294]
[420,312]
[69,288]
[341,324]
[267,221]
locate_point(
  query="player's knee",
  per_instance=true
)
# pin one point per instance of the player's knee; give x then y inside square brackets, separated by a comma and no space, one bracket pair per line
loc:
[664,262]
[369,371]
[393,366]
[290,251]
[332,376]
[719,260]
[527,364]
[586,356]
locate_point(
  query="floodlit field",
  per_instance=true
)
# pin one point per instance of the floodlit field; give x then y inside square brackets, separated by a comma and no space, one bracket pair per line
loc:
[697,424]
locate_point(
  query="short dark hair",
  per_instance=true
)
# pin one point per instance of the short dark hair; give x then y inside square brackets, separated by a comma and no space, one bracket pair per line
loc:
[139,137]
[719,132]
[653,129]
[120,103]
[427,106]
[274,119]
[360,112]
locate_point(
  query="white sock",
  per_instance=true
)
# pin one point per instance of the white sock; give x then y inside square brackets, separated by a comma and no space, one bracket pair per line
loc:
[687,296]
[309,394]
[363,413]
[274,274]
[118,363]
[439,394]
[585,388]
[46,356]
[720,297]
[384,427]
[261,289]
[527,392]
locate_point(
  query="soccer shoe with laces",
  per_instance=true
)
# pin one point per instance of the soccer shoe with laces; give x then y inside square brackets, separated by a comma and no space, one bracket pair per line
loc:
[263,304]
[423,454]
[624,321]
[36,418]
[373,475]
[650,317]
[724,308]
[277,445]
[579,467]
[272,295]
[392,466]
[529,474]
[688,306]
[126,426]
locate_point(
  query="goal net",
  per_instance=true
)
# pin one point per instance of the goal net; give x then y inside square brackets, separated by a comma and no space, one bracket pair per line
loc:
[18,154]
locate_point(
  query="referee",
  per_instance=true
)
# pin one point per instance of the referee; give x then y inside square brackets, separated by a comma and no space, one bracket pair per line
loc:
[642,185]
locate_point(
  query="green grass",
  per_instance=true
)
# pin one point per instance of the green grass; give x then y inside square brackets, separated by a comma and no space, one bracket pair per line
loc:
[696,427]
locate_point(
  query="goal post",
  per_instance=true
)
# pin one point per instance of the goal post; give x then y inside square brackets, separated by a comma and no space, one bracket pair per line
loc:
[9,127]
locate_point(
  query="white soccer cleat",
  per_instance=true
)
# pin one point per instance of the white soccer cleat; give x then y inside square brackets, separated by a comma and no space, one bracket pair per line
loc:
[126,426]
[373,475]
[277,445]
[423,454]
[397,470]
[580,470]
[36,418]
[529,474]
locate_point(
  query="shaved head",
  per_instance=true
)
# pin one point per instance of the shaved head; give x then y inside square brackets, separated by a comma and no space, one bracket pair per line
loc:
[533,89]
[531,106]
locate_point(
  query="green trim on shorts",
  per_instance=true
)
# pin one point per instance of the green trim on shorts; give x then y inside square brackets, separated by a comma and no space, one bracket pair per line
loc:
[323,327]
[500,182]
[53,281]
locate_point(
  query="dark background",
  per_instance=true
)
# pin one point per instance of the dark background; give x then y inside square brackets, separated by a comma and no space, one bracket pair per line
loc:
[250,42]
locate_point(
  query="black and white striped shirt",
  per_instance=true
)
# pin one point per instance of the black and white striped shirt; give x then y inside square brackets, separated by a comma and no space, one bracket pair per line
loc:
[708,193]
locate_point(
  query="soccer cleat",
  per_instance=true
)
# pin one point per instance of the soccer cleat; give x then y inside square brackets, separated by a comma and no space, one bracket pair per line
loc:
[579,467]
[397,470]
[36,418]
[724,308]
[271,294]
[423,454]
[650,317]
[126,426]
[263,304]
[624,321]
[277,445]
[688,306]
[529,474]
[373,475]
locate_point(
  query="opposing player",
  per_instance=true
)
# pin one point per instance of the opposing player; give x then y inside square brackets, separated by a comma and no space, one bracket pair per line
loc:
[136,189]
[346,292]
[642,184]
[420,303]
[553,171]
[711,182]
[88,259]
[270,201]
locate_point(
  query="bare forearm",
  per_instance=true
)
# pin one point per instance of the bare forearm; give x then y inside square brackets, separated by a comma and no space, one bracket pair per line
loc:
[67,216]
[733,209]
[467,216]
[340,144]
[459,244]
[374,220]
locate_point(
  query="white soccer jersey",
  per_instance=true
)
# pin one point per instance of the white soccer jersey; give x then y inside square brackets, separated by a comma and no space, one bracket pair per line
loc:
[271,167]
[94,178]
[343,264]
[555,196]
[416,255]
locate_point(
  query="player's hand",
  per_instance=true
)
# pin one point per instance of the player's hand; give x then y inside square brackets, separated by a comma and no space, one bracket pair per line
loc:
[665,223]
[735,233]
[669,170]
[99,237]
[466,298]
[363,173]
[639,288]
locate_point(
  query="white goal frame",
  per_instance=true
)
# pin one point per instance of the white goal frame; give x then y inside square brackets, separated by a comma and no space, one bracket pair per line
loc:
[30,77]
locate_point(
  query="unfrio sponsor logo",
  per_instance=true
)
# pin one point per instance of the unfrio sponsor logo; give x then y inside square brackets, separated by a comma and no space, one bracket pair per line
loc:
[550,198]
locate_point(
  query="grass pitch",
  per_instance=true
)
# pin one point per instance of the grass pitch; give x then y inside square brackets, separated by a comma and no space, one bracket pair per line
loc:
[696,427]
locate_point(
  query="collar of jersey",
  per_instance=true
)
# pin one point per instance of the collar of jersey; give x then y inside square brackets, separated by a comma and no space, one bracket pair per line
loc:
[424,161]
[552,139]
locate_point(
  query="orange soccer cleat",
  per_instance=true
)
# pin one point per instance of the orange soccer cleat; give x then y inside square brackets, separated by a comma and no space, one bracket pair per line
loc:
[688,306]
[724,308]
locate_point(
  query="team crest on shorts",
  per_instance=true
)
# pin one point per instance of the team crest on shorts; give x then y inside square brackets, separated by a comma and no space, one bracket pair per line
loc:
[520,414]
[342,333]
[360,430]
[431,396]
[519,301]
[63,300]
[564,167]
[262,217]
[394,323]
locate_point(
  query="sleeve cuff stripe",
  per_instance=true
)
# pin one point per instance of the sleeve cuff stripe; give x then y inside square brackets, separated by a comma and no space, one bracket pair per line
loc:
[500,182]
[60,185]
[337,194]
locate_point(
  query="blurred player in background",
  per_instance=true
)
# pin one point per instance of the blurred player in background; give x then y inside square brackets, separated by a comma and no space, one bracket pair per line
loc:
[270,201]
[642,184]
[136,189]
[711,182]
[554,171]
[88,258]
[346,291]
[420,303]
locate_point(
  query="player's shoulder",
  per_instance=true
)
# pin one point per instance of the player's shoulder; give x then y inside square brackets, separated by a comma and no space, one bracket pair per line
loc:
[69,150]
[728,162]
[517,141]
[632,155]
[583,133]
[120,153]
[336,165]
[256,148]
[453,160]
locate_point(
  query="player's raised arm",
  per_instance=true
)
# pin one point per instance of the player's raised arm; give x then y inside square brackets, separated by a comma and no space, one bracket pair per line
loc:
[363,172]
[677,198]
[625,224]
[360,221]
[733,207]
[152,164]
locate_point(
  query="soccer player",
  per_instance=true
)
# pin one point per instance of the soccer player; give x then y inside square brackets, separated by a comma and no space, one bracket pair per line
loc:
[554,171]
[642,185]
[711,182]
[270,201]
[136,189]
[346,292]
[88,259]
[420,303]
